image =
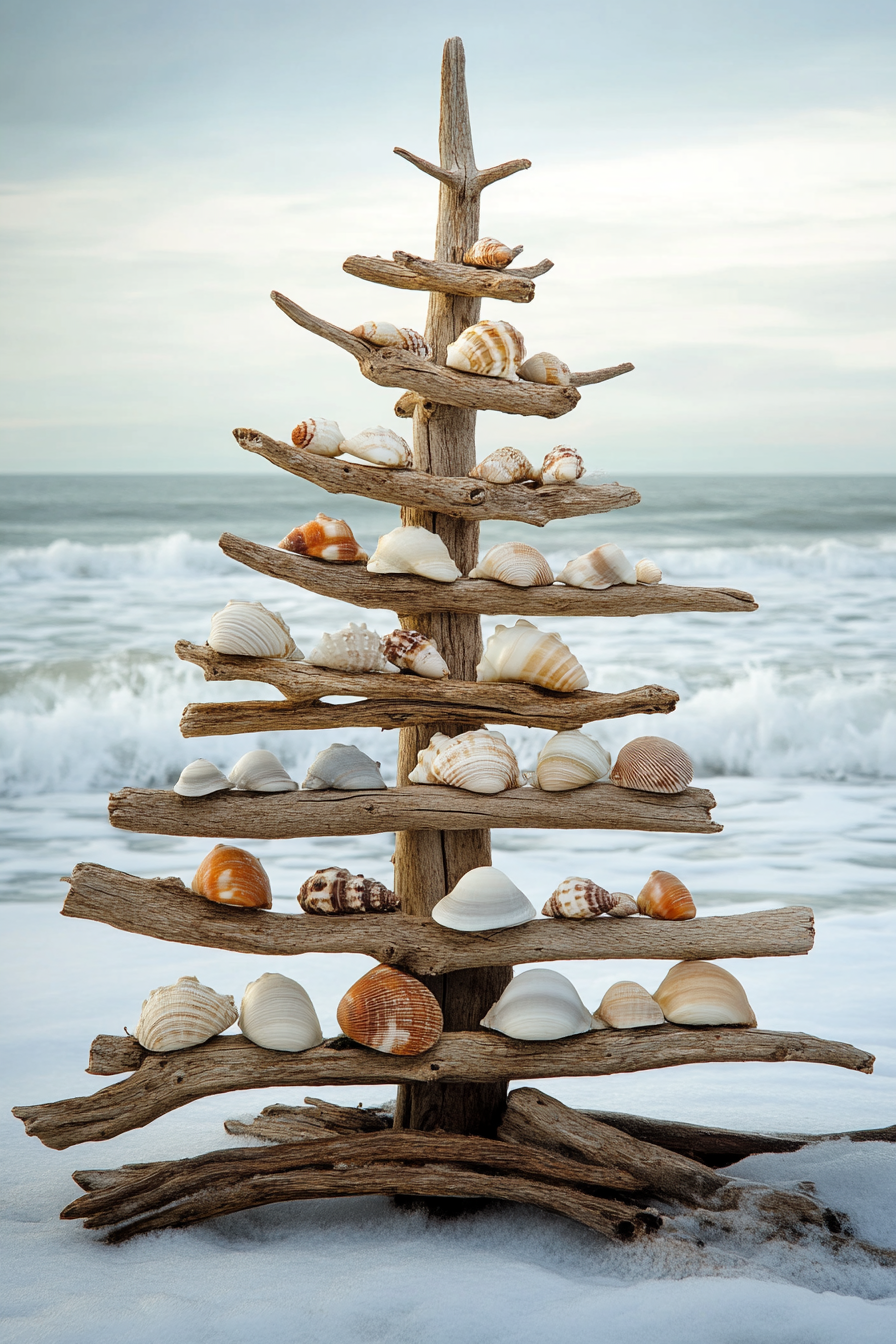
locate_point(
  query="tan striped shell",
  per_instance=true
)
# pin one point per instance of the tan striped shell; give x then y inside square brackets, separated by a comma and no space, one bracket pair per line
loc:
[402,338]
[522,652]
[176,1017]
[515,563]
[664,896]
[580,898]
[627,1004]
[503,467]
[569,760]
[653,764]
[492,348]
[647,572]
[601,568]
[479,761]
[701,994]
[546,368]
[491,253]
[390,1011]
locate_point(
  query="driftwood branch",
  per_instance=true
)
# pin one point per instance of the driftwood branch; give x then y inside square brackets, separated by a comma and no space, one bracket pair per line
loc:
[315,1120]
[449,176]
[599,375]
[164,908]
[406,271]
[486,176]
[410,593]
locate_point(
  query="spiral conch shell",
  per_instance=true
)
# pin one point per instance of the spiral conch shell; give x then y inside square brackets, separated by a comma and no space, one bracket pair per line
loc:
[415,652]
[343,767]
[503,467]
[601,568]
[484,898]
[561,466]
[492,348]
[325,538]
[403,338]
[664,896]
[262,772]
[232,876]
[323,437]
[540,1005]
[249,629]
[479,761]
[546,368]
[413,550]
[176,1017]
[352,649]
[335,891]
[200,778]
[524,653]
[580,898]
[627,1004]
[489,252]
[390,1011]
[381,446]
[701,994]
[648,573]
[277,1014]
[515,563]
[569,760]
[653,764]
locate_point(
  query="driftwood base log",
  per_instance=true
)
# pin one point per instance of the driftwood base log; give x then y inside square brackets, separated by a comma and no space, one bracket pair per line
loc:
[315,1120]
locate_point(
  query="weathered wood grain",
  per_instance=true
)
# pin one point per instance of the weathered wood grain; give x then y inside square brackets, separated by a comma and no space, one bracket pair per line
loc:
[410,593]
[406,271]
[164,908]
[456,496]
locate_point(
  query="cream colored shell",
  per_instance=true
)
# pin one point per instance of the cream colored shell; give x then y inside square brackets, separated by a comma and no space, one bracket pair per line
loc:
[484,898]
[277,1014]
[627,1004]
[479,761]
[561,466]
[323,437]
[503,467]
[343,767]
[540,1005]
[569,760]
[601,568]
[702,994]
[354,648]
[176,1017]
[416,652]
[200,778]
[647,572]
[403,338]
[250,630]
[381,446]
[491,348]
[546,368]
[515,563]
[413,550]
[524,653]
[263,772]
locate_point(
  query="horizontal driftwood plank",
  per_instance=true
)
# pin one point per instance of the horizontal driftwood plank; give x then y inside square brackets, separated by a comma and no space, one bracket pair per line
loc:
[410,593]
[163,1083]
[416,807]
[164,908]
[405,271]
[457,496]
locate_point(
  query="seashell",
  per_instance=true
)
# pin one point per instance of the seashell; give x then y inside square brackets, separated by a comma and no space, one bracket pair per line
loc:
[570,759]
[231,876]
[262,772]
[491,347]
[325,538]
[489,252]
[342,767]
[390,1011]
[334,891]
[524,653]
[479,761]
[353,649]
[580,898]
[702,994]
[249,629]
[413,550]
[665,897]
[539,1005]
[546,368]
[277,1014]
[647,572]
[381,446]
[601,568]
[516,563]
[653,764]
[503,467]
[627,1004]
[176,1017]
[416,653]
[384,333]
[200,778]
[484,898]
[323,437]
[561,466]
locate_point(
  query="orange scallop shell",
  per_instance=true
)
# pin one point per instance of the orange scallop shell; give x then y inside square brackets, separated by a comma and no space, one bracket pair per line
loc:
[232,876]
[664,896]
[653,764]
[390,1011]
[326,538]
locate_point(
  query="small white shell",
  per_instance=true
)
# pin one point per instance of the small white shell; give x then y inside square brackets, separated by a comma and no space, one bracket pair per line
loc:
[702,994]
[250,630]
[413,550]
[323,437]
[352,649]
[343,767]
[647,572]
[627,1004]
[200,778]
[540,1005]
[403,338]
[277,1014]
[546,368]
[381,446]
[516,563]
[479,761]
[601,568]
[492,348]
[503,467]
[176,1017]
[569,760]
[416,652]
[262,772]
[524,653]
[491,253]
[561,466]
[484,898]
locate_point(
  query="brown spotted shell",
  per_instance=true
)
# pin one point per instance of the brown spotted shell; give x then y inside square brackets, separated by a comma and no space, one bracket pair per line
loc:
[325,538]
[415,652]
[390,1011]
[664,896]
[561,466]
[232,876]
[653,764]
[580,898]
[335,891]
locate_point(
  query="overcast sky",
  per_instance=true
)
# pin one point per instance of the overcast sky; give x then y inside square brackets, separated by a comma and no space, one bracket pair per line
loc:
[714,182]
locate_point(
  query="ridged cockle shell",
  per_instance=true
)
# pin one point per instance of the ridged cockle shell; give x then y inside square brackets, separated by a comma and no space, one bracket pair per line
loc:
[540,1005]
[199,779]
[277,1014]
[665,897]
[647,572]
[232,876]
[343,767]
[352,649]
[601,568]
[503,467]
[179,1016]
[479,761]
[627,1004]
[335,891]
[262,772]
[524,653]
[580,898]
[653,764]
[325,538]
[415,652]
[390,1011]
[413,550]
[381,446]
[323,437]
[515,563]
[491,253]
[546,368]
[561,466]
[250,630]
[492,348]
[701,994]
[569,760]
[402,338]
[484,898]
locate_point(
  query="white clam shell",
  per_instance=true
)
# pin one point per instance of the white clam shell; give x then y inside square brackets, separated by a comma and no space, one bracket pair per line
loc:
[176,1017]
[569,760]
[323,437]
[484,898]
[702,994]
[343,767]
[540,1005]
[647,572]
[516,563]
[561,466]
[352,649]
[479,761]
[417,653]
[261,771]
[546,368]
[524,653]
[381,446]
[601,568]
[413,550]
[277,1014]
[627,1004]
[200,778]
[503,467]
[250,630]
[491,348]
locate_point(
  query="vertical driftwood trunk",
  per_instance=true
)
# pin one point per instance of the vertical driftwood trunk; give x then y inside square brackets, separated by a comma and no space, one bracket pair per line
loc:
[429,863]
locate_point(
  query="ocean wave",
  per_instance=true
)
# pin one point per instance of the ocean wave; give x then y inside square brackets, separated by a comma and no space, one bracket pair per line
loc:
[172,556]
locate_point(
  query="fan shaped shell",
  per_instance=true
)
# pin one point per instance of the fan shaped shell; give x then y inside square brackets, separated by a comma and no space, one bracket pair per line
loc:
[415,652]
[277,1014]
[524,653]
[491,348]
[484,898]
[381,446]
[413,550]
[539,1005]
[561,466]
[546,368]
[352,649]
[664,896]
[402,338]
[580,898]
[200,778]
[262,772]
[176,1017]
[390,1011]
[503,467]
[569,760]
[343,767]
[601,568]
[702,994]
[232,876]
[250,630]
[479,761]
[653,764]
[647,572]
[515,563]
[627,1004]
[335,891]
[323,437]
[325,538]
[491,253]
